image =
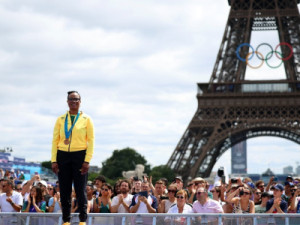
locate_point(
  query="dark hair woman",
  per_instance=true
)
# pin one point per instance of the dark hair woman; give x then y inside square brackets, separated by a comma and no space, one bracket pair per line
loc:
[35,201]
[242,204]
[102,204]
[72,150]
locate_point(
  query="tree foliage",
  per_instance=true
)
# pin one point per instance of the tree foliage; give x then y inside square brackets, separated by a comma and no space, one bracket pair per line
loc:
[123,160]
[92,176]
[162,171]
[46,164]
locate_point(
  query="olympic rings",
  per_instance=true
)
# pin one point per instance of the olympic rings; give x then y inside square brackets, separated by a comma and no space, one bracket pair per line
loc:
[260,56]
[291,52]
[257,53]
[274,67]
[261,45]
[238,49]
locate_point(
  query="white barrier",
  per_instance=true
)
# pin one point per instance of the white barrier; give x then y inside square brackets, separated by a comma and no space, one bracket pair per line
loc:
[151,219]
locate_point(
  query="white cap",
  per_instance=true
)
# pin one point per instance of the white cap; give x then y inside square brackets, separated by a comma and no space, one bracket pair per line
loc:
[43,183]
[23,183]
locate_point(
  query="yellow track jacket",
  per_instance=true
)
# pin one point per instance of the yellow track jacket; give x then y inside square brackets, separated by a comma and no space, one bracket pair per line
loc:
[81,138]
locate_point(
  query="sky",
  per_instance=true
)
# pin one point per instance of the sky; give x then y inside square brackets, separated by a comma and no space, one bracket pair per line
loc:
[136,65]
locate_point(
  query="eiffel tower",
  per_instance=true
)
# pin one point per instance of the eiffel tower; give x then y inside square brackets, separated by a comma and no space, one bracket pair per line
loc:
[232,109]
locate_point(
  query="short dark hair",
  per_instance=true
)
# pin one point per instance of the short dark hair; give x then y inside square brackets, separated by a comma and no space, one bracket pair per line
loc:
[265,194]
[9,182]
[107,185]
[71,92]
[160,182]
[165,180]
[101,178]
[126,181]
[257,183]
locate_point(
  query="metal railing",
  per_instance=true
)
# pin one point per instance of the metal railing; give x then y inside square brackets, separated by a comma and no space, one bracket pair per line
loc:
[152,219]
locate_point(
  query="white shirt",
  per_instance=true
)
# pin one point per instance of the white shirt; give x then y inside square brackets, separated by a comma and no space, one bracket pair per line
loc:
[121,208]
[143,207]
[6,206]
[210,206]
[174,209]
[186,209]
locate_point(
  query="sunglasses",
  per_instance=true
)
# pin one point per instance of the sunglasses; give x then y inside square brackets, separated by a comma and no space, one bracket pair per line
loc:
[199,192]
[19,189]
[180,197]
[104,189]
[74,99]
[50,189]
[246,193]
[196,183]
[172,191]
[258,193]
[261,186]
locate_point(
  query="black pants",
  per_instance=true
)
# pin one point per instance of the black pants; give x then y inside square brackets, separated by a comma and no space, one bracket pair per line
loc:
[69,164]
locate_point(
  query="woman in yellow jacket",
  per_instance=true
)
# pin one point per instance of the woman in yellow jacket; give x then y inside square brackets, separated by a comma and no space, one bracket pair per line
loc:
[72,150]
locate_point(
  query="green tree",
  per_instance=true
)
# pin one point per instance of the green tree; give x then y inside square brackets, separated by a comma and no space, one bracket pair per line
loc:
[92,176]
[123,160]
[46,164]
[161,171]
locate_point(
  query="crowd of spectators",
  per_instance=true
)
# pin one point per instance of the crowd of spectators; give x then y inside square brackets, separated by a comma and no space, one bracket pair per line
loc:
[142,196]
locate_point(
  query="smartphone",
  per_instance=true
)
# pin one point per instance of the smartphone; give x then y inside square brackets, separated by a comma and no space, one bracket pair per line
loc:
[164,197]
[144,193]
[223,180]
[36,173]
[276,179]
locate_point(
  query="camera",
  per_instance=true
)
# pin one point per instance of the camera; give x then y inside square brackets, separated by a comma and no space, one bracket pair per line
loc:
[292,192]
[135,178]
[233,180]
[221,171]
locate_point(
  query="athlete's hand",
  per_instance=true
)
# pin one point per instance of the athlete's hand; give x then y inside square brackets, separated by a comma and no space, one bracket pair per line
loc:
[54,167]
[85,168]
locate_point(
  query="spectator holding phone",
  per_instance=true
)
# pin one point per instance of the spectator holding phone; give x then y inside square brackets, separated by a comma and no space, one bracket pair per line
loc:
[143,202]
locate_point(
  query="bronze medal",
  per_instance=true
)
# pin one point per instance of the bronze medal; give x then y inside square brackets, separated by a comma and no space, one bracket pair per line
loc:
[66,141]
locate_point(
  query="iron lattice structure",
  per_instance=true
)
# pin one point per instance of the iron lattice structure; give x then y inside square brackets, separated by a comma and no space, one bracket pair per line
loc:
[232,109]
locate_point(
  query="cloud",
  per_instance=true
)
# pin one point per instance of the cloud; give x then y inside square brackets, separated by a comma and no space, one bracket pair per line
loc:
[135,63]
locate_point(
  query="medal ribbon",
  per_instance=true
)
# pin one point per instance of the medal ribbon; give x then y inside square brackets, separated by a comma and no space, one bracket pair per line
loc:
[68,132]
